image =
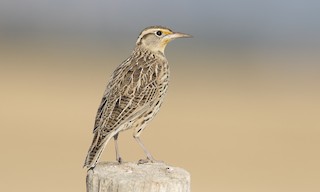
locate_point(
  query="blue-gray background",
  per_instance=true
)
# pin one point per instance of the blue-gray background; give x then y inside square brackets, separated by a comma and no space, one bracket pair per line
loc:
[242,111]
[247,23]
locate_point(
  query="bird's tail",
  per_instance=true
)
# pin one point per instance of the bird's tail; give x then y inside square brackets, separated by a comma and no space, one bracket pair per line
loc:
[98,144]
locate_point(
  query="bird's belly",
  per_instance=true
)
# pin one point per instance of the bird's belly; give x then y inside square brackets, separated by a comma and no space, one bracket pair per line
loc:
[145,117]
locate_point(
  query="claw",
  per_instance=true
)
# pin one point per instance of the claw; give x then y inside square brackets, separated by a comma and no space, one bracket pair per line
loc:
[119,160]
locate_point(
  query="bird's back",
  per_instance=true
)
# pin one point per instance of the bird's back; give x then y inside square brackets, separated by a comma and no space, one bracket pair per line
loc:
[137,83]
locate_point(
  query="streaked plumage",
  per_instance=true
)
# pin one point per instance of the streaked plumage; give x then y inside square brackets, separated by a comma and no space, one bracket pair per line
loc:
[134,93]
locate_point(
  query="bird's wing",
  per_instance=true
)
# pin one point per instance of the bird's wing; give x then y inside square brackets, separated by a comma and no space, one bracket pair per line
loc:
[130,91]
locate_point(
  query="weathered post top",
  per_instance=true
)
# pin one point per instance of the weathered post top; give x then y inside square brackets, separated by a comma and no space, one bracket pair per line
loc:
[133,177]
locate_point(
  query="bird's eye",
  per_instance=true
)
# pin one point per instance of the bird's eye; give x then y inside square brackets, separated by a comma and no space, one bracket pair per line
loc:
[159,33]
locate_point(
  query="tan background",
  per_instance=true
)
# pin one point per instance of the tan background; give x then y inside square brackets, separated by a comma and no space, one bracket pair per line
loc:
[238,117]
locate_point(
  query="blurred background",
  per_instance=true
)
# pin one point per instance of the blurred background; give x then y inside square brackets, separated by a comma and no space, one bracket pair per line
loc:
[241,114]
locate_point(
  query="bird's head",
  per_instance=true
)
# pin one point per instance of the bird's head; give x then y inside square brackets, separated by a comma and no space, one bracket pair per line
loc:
[156,38]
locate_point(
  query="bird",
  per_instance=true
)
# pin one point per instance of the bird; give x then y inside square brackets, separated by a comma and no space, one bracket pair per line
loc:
[134,93]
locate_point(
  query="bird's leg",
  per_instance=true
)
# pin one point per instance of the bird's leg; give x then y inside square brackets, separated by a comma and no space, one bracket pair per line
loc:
[149,156]
[118,158]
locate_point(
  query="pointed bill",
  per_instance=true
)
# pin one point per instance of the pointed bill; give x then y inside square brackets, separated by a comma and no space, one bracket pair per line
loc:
[177,35]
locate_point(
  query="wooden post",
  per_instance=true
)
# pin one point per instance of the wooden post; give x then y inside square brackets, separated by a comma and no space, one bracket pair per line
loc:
[133,177]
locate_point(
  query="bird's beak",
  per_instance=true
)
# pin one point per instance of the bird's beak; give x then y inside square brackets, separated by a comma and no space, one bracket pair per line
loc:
[171,36]
[176,35]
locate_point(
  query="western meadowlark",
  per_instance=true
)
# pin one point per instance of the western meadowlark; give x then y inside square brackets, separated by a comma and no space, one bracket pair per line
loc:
[134,93]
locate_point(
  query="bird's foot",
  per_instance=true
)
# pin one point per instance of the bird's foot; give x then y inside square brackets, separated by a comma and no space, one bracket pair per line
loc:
[149,160]
[143,161]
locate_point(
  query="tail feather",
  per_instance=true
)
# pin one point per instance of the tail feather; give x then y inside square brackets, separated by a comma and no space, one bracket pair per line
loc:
[98,144]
